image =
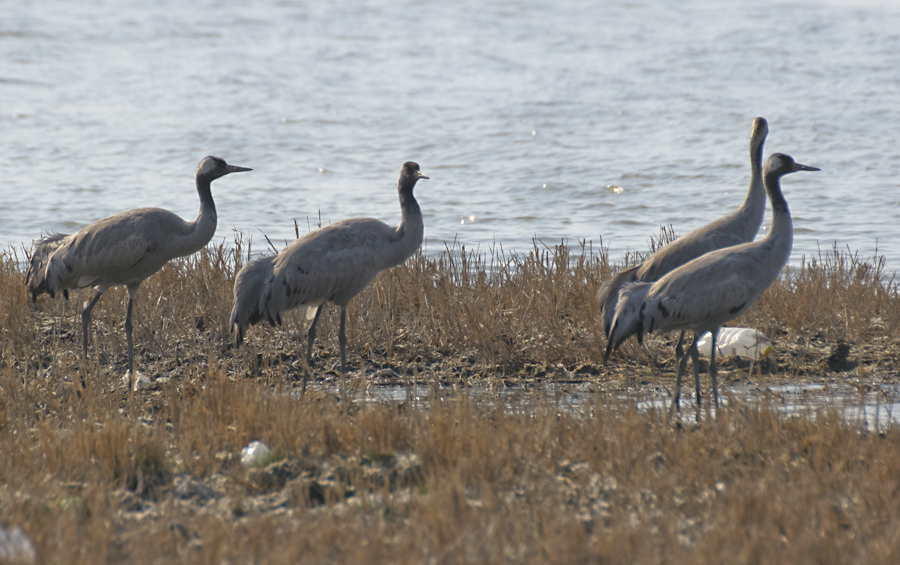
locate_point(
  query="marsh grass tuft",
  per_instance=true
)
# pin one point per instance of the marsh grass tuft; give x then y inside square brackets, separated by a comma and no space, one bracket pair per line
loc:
[93,475]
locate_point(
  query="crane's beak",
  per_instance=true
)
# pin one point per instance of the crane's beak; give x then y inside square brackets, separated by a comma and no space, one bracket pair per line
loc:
[423,175]
[236,169]
[799,167]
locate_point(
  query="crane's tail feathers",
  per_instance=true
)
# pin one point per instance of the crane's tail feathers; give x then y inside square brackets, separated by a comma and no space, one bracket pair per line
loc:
[609,350]
[608,295]
[36,276]
[628,319]
[238,334]
[250,292]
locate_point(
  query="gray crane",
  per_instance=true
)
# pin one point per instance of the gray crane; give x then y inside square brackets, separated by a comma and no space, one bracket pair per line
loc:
[740,226]
[719,286]
[124,249]
[331,264]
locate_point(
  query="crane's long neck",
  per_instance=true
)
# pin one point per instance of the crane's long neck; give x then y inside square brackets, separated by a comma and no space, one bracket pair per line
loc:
[203,227]
[753,208]
[411,229]
[781,230]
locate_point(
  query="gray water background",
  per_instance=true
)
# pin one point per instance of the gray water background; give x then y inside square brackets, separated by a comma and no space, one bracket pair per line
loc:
[523,113]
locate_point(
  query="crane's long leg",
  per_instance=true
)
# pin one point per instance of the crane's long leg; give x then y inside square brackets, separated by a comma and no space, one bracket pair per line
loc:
[86,322]
[695,357]
[679,348]
[714,371]
[132,291]
[676,401]
[342,339]
[311,336]
[310,339]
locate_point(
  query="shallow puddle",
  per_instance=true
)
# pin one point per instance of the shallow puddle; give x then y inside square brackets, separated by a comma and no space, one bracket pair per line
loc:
[875,407]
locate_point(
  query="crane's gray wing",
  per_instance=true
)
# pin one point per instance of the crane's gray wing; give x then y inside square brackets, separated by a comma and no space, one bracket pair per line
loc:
[332,263]
[699,298]
[117,244]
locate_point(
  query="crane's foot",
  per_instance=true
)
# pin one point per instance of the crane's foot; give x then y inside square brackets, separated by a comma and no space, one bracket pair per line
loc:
[675,406]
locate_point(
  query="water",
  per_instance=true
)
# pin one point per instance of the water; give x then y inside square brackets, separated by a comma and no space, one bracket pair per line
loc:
[873,407]
[522,112]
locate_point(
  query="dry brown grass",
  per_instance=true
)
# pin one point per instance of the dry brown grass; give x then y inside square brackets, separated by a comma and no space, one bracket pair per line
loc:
[837,295]
[96,476]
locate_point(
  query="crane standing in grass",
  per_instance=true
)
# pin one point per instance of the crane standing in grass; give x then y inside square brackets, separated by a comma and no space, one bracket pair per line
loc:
[719,286]
[124,249]
[738,227]
[330,264]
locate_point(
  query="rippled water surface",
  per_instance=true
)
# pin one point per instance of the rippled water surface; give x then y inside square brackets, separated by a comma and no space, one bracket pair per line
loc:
[525,115]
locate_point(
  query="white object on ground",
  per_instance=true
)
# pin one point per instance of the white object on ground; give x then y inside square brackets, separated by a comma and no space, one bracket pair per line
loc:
[745,342]
[16,548]
[141,381]
[254,454]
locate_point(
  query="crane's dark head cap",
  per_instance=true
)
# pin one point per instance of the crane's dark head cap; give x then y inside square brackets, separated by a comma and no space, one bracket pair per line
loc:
[784,164]
[411,169]
[215,167]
